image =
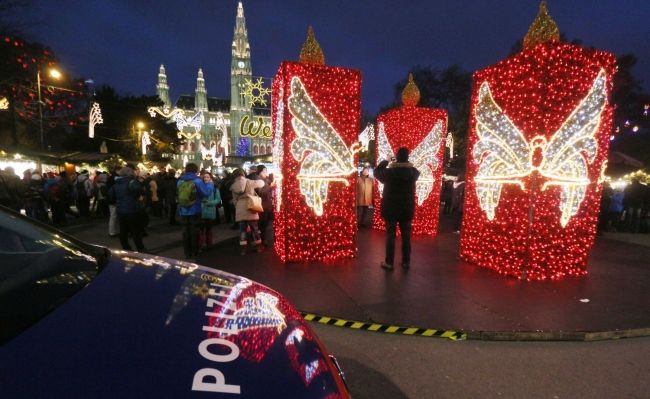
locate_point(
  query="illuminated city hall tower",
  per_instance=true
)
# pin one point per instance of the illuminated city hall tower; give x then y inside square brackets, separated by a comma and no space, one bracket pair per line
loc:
[240,71]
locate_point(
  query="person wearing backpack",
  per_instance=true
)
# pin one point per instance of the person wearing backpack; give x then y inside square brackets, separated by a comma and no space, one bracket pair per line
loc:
[209,212]
[191,192]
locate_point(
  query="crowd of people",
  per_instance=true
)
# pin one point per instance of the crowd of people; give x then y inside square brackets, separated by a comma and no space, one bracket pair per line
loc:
[128,199]
[197,198]
[625,209]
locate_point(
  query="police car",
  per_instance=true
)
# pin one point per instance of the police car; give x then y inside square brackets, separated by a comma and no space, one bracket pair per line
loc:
[77,320]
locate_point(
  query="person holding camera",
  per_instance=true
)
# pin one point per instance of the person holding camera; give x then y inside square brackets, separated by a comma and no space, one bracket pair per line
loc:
[398,204]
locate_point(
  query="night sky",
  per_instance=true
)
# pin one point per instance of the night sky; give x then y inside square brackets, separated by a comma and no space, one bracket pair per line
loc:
[123,42]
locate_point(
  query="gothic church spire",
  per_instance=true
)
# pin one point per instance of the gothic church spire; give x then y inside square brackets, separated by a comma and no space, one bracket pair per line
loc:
[162,89]
[201,95]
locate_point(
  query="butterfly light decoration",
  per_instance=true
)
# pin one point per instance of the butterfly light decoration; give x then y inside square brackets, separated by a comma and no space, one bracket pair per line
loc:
[505,156]
[196,122]
[208,153]
[278,149]
[324,156]
[423,158]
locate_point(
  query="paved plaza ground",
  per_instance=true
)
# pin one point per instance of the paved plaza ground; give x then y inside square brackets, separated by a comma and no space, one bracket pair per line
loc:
[439,291]
[442,292]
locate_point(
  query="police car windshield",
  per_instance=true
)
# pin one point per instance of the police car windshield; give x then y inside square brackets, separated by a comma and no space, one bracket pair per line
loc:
[39,270]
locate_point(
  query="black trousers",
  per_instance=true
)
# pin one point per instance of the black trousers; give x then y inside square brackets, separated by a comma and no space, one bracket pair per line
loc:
[131,224]
[362,212]
[171,209]
[391,231]
[191,235]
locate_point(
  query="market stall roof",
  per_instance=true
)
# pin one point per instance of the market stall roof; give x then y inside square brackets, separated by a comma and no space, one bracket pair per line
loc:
[75,157]
[619,164]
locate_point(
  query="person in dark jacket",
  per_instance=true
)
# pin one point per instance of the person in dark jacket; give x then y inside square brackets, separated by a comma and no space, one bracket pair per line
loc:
[11,189]
[633,201]
[191,214]
[113,223]
[615,210]
[226,198]
[266,193]
[35,198]
[398,204]
[458,201]
[169,182]
[127,191]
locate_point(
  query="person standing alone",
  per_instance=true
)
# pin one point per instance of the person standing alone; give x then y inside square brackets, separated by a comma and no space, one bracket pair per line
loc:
[126,193]
[398,204]
[364,196]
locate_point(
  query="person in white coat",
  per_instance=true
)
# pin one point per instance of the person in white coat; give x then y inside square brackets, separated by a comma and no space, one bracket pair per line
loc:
[242,189]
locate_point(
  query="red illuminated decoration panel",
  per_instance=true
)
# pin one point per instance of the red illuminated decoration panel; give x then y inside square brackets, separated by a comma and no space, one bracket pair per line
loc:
[423,132]
[316,112]
[537,148]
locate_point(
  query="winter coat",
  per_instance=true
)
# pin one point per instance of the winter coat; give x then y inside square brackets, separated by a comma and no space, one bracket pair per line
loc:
[210,204]
[169,183]
[364,191]
[202,191]
[83,187]
[34,193]
[241,188]
[398,199]
[458,196]
[616,202]
[11,191]
[634,194]
[153,187]
[127,192]
[266,193]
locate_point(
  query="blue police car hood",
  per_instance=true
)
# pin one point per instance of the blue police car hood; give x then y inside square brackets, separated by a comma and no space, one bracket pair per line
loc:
[149,326]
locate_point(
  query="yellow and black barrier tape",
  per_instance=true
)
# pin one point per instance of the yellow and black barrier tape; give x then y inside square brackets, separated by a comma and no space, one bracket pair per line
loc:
[385,328]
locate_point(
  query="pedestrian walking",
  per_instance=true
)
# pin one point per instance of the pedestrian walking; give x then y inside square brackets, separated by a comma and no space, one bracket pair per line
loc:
[226,198]
[634,194]
[11,189]
[445,196]
[191,192]
[398,204]
[266,194]
[243,190]
[209,212]
[615,211]
[171,205]
[458,202]
[127,191]
[52,192]
[364,196]
[35,198]
[83,193]
[113,223]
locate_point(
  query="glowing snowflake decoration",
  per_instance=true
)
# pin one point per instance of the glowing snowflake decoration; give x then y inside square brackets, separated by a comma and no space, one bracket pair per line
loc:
[255,92]
[201,290]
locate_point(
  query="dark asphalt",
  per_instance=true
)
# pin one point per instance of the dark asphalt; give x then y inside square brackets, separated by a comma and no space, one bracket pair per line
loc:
[442,292]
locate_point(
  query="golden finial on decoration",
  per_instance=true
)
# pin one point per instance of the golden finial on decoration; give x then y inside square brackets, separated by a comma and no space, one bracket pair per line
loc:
[311,52]
[543,29]
[411,93]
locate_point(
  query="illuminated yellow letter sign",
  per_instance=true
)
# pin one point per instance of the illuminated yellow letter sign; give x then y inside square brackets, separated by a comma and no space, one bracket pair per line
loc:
[254,129]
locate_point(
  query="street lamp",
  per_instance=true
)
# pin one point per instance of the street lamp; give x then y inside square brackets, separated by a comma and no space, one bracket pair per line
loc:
[140,125]
[54,73]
